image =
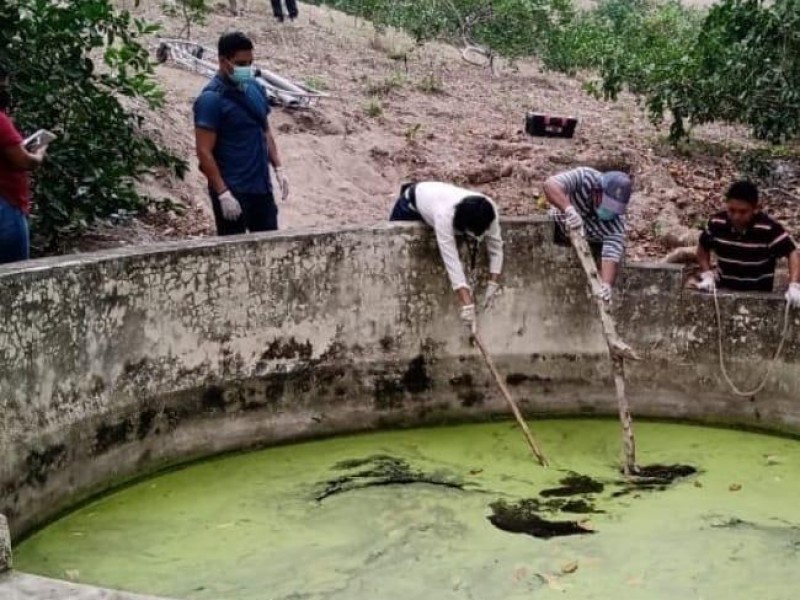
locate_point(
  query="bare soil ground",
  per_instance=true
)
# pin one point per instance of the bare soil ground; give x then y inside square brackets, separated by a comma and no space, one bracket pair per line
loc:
[399,113]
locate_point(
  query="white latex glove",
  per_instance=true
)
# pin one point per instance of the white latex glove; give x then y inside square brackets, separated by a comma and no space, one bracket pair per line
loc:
[231,209]
[467,315]
[793,295]
[605,292]
[283,183]
[492,289]
[572,218]
[708,281]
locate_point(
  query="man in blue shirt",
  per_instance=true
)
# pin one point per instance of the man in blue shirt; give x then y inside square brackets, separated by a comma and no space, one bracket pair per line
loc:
[234,143]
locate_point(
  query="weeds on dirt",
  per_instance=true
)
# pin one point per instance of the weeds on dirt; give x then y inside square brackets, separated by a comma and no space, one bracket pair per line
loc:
[317,83]
[386,86]
[373,108]
[431,84]
[412,132]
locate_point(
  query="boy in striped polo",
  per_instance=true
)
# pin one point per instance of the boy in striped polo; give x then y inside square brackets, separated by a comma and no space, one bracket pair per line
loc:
[593,203]
[747,244]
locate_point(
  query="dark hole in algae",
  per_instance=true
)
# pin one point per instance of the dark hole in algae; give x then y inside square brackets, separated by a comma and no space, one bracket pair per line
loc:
[379,470]
[523,517]
[574,485]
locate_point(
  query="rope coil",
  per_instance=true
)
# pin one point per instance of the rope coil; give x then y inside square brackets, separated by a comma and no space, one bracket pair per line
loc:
[770,366]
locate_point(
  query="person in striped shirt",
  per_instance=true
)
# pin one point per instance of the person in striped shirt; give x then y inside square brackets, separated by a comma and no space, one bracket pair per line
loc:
[747,243]
[594,204]
[453,211]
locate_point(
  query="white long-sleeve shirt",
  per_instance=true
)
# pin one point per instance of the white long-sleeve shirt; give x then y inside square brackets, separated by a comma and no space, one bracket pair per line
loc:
[436,204]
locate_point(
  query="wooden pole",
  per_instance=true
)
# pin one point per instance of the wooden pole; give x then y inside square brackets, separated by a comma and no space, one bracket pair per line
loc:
[514,408]
[617,349]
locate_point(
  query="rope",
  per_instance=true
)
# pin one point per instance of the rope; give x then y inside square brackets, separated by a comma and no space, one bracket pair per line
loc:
[784,335]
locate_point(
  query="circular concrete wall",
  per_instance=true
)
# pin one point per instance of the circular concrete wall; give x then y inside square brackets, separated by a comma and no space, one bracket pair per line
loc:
[121,363]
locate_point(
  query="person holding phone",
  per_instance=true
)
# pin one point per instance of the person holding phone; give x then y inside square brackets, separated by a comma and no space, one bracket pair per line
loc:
[15,198]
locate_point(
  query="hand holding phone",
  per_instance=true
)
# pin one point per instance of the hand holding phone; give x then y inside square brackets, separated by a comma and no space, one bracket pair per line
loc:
[38,140]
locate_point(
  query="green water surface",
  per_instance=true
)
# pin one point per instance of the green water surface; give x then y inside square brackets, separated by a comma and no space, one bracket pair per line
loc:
[247,527]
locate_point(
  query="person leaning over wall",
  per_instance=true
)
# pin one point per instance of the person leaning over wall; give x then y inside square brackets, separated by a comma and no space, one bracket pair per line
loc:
[453,211]
[594,204]
[747,244]
[15,197]
[235,145]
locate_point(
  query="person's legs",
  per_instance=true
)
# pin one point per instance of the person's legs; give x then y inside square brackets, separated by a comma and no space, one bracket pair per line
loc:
[225,227]
[260,212]
[291,7]
[402,211]
[14,237]
[277,9]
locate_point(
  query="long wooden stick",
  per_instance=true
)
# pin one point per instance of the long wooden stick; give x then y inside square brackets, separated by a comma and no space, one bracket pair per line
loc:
[617,349]
[514,408]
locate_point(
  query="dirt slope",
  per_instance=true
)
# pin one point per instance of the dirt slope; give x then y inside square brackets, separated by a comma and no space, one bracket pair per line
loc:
[399,113]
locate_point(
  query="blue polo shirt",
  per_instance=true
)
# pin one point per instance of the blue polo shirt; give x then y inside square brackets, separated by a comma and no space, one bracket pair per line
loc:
[241,151]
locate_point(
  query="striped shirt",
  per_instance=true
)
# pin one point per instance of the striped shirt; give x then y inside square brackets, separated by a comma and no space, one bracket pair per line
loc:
[578,185]
[746,259]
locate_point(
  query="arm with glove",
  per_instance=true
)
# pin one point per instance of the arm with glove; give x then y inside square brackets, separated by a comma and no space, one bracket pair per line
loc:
[446,240]
[205,141]
[793,293]
[708,277]
[494,246]
[612,254]
[280,175]
[558,196]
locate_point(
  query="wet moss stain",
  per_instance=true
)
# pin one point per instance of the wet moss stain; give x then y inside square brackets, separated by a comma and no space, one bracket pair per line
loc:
[287,349]
[38,465]
[387,343]
[461,381]
[113,434]
[146,419]
[416,379]
[388,394]
[515,379]
[470,398]
[214,399]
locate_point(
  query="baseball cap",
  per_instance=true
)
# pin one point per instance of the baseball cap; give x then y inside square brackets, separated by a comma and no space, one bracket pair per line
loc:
[616,192]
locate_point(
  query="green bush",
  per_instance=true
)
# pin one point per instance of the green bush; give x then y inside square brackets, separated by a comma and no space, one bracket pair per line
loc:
[739,63]
[77,67]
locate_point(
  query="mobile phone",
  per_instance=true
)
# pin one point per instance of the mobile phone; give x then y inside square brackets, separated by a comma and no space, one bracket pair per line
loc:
[39,139]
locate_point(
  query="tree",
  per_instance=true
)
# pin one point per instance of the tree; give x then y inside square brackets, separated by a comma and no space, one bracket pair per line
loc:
[80,69]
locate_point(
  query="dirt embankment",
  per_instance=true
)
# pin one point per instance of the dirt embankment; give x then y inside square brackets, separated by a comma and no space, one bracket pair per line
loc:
[398,112]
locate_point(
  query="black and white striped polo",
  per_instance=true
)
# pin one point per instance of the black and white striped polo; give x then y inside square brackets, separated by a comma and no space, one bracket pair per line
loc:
[746,259]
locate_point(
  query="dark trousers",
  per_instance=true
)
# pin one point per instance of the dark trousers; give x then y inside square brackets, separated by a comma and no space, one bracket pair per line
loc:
[259,213]
[14,237]
[291,8]
[402,211]
[561,238]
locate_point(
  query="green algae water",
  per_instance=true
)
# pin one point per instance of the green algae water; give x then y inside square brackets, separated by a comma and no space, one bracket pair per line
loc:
[289,523]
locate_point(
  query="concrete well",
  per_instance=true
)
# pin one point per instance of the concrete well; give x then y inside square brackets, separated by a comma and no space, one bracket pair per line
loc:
[121,363]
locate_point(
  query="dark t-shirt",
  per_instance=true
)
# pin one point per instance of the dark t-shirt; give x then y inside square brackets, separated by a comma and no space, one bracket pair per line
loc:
[239,118]
[746,259]
[14,183]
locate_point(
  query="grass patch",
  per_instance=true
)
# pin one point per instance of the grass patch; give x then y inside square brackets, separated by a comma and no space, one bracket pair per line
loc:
[373,108]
